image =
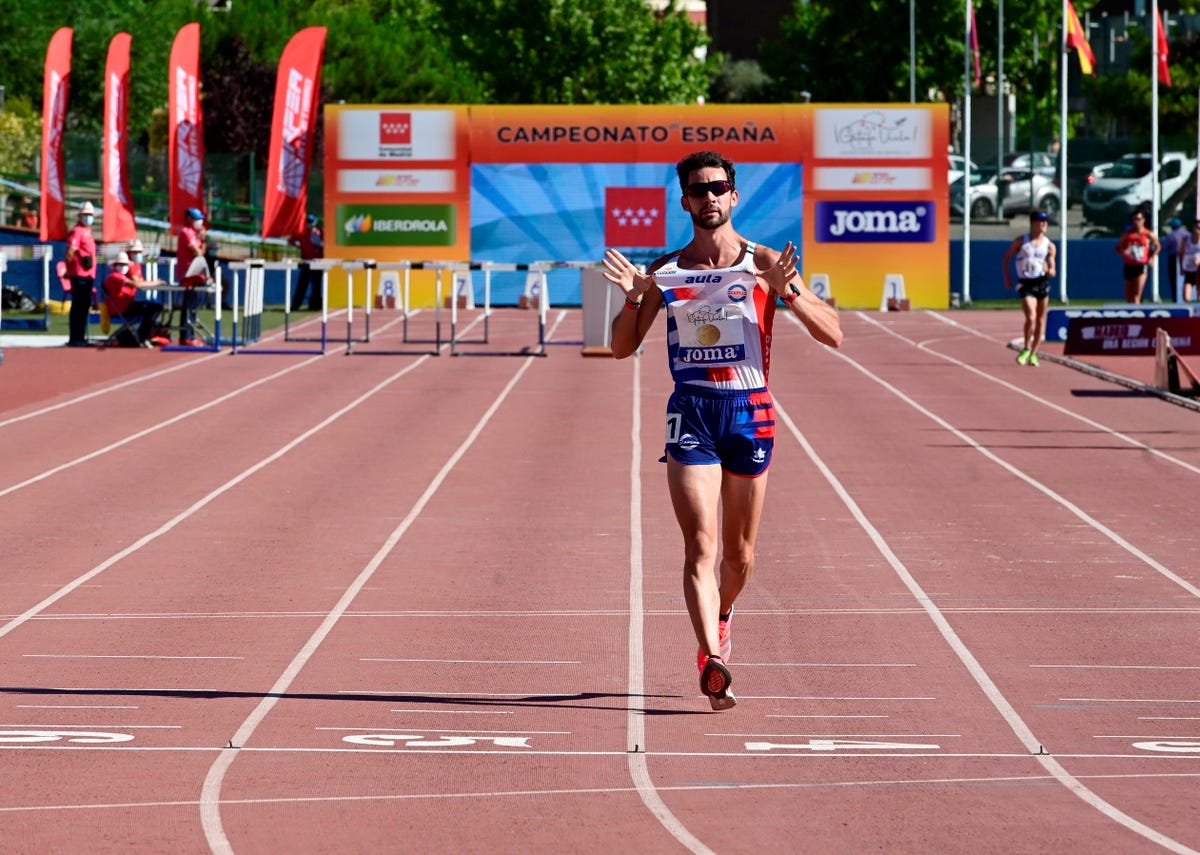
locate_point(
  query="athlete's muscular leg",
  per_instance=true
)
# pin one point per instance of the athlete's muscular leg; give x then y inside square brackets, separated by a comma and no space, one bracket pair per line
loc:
[741,511]
[695,495]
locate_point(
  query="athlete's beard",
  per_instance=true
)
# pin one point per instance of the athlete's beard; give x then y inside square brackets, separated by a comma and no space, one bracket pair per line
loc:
[700,223]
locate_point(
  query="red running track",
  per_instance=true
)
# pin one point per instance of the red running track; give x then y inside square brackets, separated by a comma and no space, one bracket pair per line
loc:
[352,603]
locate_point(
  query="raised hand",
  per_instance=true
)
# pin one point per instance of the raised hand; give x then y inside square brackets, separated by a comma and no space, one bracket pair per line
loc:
[779,274]
[623,273]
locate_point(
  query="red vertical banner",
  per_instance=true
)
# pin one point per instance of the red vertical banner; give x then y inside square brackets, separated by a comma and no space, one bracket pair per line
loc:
[54,113]
[185,127]
[1160,35]
[118,201]
[297,91]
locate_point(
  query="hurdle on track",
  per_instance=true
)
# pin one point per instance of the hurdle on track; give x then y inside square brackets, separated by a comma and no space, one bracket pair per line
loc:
[369,266]
[29,252]
[214,289]
[324,265]
[252,307]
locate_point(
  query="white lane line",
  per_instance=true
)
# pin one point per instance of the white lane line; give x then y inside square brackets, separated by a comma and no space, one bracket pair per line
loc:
[784,715]
[1168,718]
[453,712]
[1136,700]
[608,613]
[1135,736]
[91,724]
[1020,729]
[108,390]
[635,721]
[445,730]
[421,693]
[839,735]
[73,707]
[196,506]
[210,799]
[831,698]
[173,420]
[1130,667]
[483,661]
[1182,464]
[1006,781]
[1117,539]
[117,656]
[827,665]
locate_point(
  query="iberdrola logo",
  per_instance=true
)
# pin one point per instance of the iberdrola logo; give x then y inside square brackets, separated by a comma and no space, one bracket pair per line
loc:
[359,225]
[397,225]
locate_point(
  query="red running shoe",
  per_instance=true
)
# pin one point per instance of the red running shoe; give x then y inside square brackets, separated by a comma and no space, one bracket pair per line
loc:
[724,639]
[715,681]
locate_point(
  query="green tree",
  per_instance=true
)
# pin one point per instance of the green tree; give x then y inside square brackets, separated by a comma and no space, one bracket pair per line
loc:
[20,137]
[582,52]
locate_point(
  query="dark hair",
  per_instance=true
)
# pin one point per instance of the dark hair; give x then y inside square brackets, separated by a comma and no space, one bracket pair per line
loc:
[700,160]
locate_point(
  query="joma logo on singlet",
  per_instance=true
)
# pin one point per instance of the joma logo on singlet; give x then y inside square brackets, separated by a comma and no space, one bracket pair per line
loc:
[706,355]
[878,222]
[697,280]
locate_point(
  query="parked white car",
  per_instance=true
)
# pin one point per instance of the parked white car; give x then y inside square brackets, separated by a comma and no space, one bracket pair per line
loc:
[1128,185]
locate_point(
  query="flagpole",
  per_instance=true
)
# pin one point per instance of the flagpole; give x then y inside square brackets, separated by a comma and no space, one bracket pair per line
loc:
[966,296]
[1062,159]
[912,51]
[1155,188]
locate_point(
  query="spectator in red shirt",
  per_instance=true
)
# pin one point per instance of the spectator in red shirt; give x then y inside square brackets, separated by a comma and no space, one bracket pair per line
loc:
[188,247]
[120,293]
[81,270]
[312,246]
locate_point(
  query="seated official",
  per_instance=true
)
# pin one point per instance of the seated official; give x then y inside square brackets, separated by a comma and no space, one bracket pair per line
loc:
[120,291]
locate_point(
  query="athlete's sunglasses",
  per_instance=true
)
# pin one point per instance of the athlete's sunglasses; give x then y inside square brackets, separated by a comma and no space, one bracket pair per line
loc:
[702,188]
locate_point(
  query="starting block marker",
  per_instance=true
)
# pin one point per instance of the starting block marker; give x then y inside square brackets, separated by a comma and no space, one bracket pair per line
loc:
[894,298]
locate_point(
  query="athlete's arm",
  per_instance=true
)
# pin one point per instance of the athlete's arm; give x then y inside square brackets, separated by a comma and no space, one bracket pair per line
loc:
[779,274]
[642,302]
[1050,263]
[1008,256]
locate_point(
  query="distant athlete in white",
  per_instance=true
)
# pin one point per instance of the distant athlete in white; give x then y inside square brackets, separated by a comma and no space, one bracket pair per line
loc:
[720,293]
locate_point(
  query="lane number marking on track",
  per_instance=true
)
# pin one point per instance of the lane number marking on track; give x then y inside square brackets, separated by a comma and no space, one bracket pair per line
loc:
[392,740]
[77,736]
[839,745]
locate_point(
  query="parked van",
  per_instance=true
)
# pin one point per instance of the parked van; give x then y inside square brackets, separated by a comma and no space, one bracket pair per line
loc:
[1128,184]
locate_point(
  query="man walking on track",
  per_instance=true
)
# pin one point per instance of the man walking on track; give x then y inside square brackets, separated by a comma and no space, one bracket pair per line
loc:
[720,293]
[1035,267]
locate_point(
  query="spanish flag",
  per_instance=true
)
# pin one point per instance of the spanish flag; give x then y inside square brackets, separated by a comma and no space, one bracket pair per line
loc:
[1077,38]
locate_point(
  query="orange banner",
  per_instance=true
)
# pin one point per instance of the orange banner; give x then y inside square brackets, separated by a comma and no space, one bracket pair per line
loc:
[185,127]
[762,133]
[118,201]
[54,112]
[297,91]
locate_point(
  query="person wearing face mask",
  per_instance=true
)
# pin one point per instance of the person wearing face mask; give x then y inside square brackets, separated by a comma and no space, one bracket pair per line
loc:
[81,270]
[120,296]
[189,246]
[137,258]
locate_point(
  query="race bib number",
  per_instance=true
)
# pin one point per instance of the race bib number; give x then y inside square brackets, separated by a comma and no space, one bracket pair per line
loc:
[673,422]
[1032,268]
[1136,253]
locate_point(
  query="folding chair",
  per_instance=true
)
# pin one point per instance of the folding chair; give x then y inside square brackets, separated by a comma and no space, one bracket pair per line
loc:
[126,333]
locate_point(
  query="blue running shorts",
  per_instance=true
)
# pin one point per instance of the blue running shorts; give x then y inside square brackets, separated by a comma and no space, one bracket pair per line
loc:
[733,428]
